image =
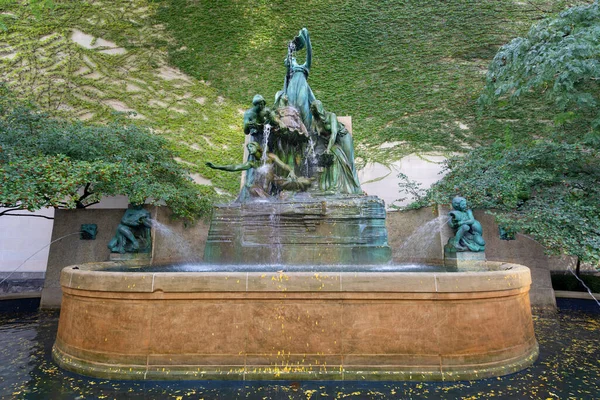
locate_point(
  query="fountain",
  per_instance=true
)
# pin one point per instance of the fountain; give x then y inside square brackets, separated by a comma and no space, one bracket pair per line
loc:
[297,282]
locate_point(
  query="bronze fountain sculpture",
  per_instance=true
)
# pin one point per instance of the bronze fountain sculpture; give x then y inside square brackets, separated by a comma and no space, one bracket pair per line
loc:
[297,282]
[302,199]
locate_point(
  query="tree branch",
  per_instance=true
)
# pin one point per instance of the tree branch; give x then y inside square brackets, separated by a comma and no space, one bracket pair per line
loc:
[86,194]
[9,210]
[26,215]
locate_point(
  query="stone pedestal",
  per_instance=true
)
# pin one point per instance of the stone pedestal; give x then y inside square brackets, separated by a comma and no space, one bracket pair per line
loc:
[315,230]
[464,260]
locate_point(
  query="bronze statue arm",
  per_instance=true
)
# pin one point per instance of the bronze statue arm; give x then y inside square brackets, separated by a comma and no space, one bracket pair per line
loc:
[250,128]
[334,130]
[308,61]
[147,222]
[469,221]
[282,165]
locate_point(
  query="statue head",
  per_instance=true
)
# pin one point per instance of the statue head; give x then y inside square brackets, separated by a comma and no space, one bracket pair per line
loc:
[290,62]
[459,203]
[254,148]
[258,100]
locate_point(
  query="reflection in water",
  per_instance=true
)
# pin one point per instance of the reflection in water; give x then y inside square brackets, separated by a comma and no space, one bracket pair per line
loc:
[567,368]
[18,346]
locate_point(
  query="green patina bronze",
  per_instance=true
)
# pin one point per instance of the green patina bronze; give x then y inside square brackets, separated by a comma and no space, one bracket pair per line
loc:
[88,231]
[339,175]
[256,116]
[296,88]
[133,233]
[303,142]
[468,231]
[301,160]
[267,182]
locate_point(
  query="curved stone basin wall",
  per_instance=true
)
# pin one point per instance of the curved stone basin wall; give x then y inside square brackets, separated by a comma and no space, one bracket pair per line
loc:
[300,325]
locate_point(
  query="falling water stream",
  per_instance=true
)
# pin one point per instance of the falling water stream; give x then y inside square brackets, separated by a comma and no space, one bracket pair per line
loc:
[574,274]
[275,224]
[422,238]
[310,157]
[290,56]
[175,240]
[31,256]
[265,144]
[584,285]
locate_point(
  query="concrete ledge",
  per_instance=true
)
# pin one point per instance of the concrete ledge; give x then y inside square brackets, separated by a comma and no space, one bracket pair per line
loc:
[565,294]
[22,295]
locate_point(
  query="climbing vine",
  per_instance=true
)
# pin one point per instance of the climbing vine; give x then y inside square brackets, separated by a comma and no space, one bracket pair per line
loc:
[408,72]
[85,60]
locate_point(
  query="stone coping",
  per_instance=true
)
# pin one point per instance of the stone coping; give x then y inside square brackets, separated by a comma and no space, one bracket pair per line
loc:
[21,295]
[494,276]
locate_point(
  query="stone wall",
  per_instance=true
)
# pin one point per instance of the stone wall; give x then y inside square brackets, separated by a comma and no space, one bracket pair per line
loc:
[72,250]
[172,241]
[175,241]
[23,253]
[414,236]
[420,236]
[525,251]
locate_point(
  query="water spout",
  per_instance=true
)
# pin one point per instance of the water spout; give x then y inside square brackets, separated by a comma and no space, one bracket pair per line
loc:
[31,256]
[421,239]
[265,144]
[175,240]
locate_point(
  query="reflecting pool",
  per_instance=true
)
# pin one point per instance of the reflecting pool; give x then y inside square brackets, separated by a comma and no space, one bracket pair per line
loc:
[568,367]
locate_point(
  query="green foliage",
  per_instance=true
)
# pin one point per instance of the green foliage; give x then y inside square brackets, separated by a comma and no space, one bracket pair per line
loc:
[418,196]
[543,183]
[547,189]
[41,61]
[559,58]
[47,162]
[406,71]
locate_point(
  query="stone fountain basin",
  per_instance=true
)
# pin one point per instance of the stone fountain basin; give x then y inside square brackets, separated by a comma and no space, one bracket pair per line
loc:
[293,325]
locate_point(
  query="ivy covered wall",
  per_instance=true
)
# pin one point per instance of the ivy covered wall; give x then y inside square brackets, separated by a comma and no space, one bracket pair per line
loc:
[407,71]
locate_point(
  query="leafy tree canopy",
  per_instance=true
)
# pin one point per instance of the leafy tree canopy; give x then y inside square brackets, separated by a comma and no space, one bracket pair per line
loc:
[46,162]
[547,189]
[559,59]
[546,186]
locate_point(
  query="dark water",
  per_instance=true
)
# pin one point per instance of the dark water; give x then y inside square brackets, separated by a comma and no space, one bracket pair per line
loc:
[200,267]
[568,368]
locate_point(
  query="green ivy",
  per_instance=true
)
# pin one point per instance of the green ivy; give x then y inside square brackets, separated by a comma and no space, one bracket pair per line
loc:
[48,162]
[40,61]
[406,71]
